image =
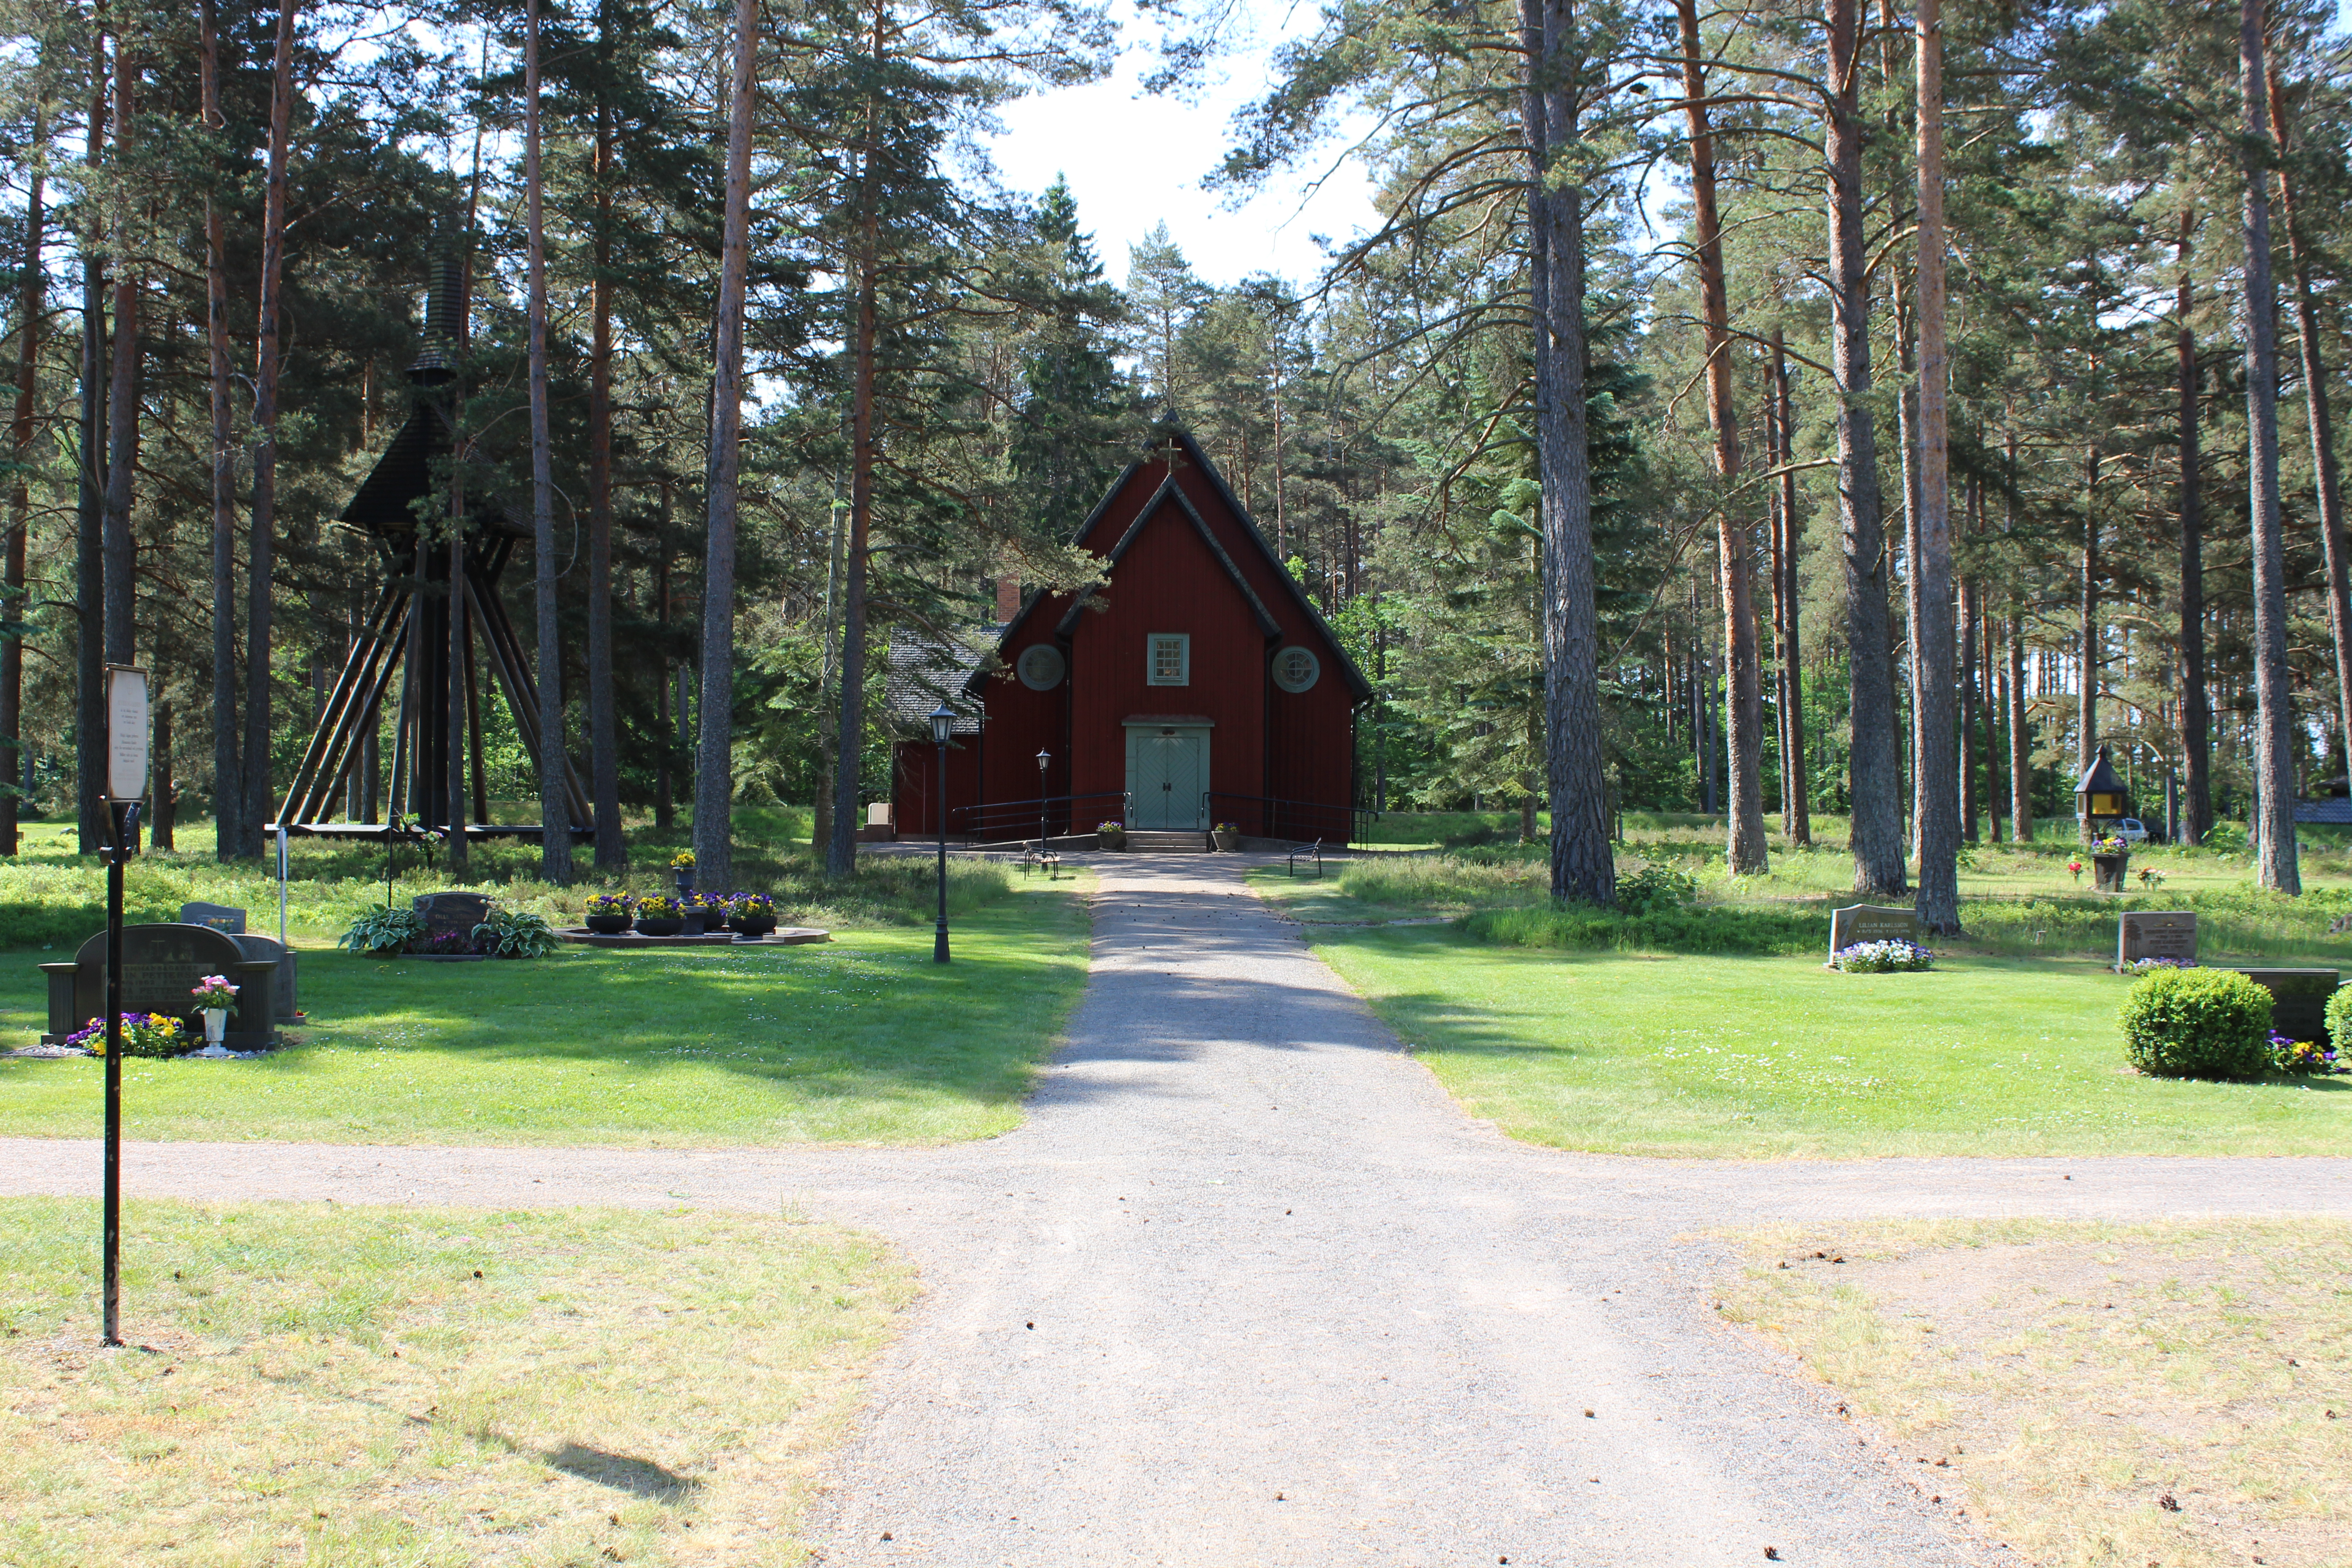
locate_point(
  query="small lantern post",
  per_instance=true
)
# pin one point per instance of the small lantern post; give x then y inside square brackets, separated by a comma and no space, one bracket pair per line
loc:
[942,722]
[2100,803]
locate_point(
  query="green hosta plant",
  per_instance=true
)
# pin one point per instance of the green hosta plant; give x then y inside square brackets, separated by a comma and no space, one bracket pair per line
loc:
[2198,1022]
[516,933]
[384,930]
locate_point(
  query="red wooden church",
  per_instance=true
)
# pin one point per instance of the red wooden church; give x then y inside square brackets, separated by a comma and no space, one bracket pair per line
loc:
[1199,685]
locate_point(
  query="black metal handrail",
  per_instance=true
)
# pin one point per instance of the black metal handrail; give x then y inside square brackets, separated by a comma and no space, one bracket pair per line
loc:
[1022,819]
[1265,817]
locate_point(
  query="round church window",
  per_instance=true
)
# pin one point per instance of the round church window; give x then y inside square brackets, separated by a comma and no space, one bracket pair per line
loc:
[1041,667]
[1296,668]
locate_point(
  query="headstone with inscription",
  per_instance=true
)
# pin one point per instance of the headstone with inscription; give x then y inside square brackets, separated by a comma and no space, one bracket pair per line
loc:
[160,965]
[1870,923]
[458,912]
[2157,933]
[220,917]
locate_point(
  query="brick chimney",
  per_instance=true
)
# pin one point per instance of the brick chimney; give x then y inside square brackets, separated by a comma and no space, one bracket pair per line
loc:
[1008,598]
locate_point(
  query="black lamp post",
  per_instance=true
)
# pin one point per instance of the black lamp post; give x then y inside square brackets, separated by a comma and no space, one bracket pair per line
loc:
[1044,760]
[942,720]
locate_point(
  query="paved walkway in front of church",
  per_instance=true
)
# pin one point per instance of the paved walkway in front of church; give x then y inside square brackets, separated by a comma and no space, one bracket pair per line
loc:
[1246,1288]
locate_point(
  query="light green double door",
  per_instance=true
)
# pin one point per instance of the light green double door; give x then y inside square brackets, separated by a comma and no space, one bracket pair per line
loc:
[1166,773]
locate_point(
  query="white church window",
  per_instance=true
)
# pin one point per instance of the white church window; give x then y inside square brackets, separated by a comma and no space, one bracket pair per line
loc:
[1296,669]
[1171,660]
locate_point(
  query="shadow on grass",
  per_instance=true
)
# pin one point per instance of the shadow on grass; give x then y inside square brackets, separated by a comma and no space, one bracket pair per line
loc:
[622,1473]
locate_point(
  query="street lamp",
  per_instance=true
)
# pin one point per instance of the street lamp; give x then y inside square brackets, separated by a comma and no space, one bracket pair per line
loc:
[942,721]
[1044,760]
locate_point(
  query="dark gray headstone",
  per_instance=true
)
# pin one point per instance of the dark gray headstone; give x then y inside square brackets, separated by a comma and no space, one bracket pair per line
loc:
[1870,923]
[289,1009]
[459,912]
[161,964]
[2298,999]
[220,917]
[2157,933]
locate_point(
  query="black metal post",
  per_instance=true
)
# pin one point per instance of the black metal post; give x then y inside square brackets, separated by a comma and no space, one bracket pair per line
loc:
[939,937]
[125,821]
[1043,762]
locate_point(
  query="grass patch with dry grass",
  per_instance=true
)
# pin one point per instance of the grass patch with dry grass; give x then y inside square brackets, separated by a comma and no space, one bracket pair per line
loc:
[2090,1393]
[318,1384]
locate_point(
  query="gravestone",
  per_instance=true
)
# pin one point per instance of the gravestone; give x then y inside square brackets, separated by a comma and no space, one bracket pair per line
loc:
[160,965]
[229,919]
[2298,999]
[458,912]
[220,917]
[2157,933]
[1870,923]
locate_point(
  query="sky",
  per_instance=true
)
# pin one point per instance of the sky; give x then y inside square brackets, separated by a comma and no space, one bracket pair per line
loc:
[1133,161]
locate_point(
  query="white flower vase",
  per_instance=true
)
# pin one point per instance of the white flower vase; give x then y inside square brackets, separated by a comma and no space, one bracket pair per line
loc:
[216,1021]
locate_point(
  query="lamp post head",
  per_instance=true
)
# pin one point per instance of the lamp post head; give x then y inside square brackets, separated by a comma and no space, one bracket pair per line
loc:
[942,721]
[1044,759]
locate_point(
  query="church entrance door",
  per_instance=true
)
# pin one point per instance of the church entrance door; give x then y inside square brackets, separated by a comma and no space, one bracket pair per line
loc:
[1168,777]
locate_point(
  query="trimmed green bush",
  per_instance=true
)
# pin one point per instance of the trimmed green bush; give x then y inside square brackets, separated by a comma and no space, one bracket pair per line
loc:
[2339,1019]
[1707,929]
[2198,1022]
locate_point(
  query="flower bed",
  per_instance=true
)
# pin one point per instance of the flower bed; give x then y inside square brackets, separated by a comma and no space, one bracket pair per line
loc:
[1893,957]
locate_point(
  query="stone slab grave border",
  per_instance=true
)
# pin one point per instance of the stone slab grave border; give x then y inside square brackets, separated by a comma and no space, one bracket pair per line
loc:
[783,936]
[1870,922]
[2156,933]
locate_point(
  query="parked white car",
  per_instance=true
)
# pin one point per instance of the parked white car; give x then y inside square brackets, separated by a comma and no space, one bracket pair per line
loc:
[2131,830]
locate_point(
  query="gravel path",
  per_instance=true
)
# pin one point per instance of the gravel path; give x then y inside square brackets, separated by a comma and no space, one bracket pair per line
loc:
[1248,1289]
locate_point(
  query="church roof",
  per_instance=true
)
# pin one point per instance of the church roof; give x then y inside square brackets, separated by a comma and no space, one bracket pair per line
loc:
[1169,493]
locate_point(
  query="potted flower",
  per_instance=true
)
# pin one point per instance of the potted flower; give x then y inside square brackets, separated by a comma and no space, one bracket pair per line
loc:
[681,865]
[2075,867]
[1228,834]
[751,914]
[609,913]
[214,996]
[1110,835]
[2110,862]
[699,912]
[659,916]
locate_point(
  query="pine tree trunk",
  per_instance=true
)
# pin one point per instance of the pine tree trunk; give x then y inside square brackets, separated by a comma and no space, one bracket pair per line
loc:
[1745,853]
[2196,705]
[841,849]
[228,771]
[2088,651]
[2273,690]
[32,304]
[1583,860]
[554,805]
[1971,808]
[122,399]
[603,728]
[1876,776]
[2020,740]
[664,800]
[90,503]
[259,554]
[2323,438]
[1938,780]
[1800,826]
[714,774]
[164,816]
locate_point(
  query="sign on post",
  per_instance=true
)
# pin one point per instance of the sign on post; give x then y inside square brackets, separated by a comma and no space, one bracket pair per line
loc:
[127,730]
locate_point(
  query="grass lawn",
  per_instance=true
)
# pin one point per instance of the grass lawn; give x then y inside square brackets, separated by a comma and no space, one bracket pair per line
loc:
[2089,1394]
[1770,1057]
[425,1388]
[864,1039]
